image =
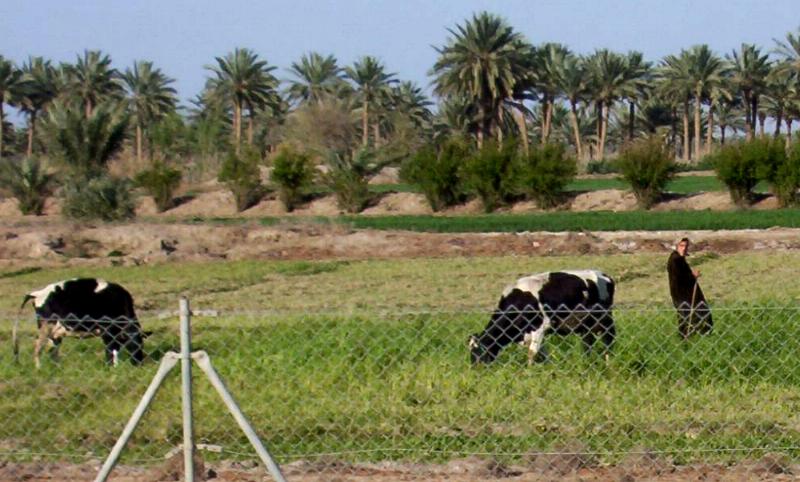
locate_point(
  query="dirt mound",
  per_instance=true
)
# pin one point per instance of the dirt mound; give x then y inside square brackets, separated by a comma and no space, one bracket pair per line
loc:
[604,200]
[211,203]
[473,206]
[52,243]
[400,203]
[387,175]
[708,200]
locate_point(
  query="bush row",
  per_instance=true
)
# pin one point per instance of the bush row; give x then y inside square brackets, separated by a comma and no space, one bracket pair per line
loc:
[446,173]
[497,173]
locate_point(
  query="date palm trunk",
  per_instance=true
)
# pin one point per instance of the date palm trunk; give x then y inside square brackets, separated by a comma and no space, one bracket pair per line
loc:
[722,129]
[788,131]
[139,143]
[748,118]
[603,130]
[631,117]
[697,131]
[376,134]
[237,125]
[778,122]
[519,117]
[31,133]
[250,129]
[573,118]
[88,108]
[710,129]
[365,124]
[761,118]
[686,141]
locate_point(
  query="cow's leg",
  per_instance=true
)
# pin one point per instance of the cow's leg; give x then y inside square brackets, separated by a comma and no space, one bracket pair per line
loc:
[113,345]
[608,336]
[57,335]
[135,345]
[44,335]
[535,339]
[588,341]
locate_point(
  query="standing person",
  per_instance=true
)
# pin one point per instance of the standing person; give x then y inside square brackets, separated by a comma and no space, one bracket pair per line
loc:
[694,314]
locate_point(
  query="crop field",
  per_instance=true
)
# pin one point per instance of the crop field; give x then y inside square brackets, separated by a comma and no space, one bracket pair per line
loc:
[367,361]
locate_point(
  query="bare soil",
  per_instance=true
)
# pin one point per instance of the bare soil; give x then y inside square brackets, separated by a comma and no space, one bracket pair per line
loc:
[58,243]
[471,469]
[213,200]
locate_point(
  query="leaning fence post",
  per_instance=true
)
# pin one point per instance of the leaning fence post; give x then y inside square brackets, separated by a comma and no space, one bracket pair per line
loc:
[167,363]
[186,393]
[204,362]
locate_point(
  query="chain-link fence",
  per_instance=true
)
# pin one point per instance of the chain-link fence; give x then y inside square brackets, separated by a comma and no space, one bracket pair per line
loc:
[398,392]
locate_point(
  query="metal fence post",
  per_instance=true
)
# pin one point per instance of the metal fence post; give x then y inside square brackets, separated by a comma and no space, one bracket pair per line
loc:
[167,363]
[204,362]
[186,393]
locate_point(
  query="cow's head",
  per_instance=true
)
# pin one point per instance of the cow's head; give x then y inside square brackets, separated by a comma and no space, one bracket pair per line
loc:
[478,352]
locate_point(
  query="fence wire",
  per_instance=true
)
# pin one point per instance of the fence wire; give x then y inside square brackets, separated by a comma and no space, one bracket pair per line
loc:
[411,392]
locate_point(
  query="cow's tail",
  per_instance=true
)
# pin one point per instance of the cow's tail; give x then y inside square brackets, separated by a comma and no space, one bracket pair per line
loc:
[15,329]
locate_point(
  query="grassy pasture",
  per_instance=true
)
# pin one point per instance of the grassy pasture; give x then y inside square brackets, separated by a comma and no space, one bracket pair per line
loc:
[369,359]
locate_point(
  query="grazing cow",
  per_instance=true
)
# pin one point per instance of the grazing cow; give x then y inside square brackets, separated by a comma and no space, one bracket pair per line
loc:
[562,302]
[83,308]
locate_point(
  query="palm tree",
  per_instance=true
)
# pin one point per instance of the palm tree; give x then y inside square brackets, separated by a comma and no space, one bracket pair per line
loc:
[373,87]
[782,86]
[548,64]
[317,78]
[609,81]
[483,61]
[409,100]
[790,50]
[729,115]
[150,97]
[39,89]
[574,85]
[706,74]
[638,76]
[675,85]
[10,82]
[92,79]
[749,72]
[85,144]
[244,81]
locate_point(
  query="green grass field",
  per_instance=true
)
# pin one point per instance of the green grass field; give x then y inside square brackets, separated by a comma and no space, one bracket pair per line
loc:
[679,185]
[368,360]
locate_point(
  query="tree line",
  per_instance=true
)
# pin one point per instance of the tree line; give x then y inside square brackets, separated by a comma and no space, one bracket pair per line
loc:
[489,81]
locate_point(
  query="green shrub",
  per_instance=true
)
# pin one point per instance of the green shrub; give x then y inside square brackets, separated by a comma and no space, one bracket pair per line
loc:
[347,178]
[647,165]
[160,181]
[28,182]
[489,173]
[781,170]
[104,198]
[293,173]
[544,173]
[437,173]
[241,175]
[737,165]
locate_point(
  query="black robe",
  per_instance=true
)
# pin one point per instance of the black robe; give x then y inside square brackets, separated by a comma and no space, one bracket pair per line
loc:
[694,315]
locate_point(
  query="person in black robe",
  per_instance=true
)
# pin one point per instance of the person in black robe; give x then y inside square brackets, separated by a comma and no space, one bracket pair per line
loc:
[694,314]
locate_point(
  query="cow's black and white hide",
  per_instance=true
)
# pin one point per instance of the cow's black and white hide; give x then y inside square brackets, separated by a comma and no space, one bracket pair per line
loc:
[87,307]
[561,302]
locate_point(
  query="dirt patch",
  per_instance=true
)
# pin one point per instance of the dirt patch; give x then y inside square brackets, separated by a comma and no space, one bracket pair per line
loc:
[212,203]
[400,203]
[604,200]
[697,202]
[387,175]
[471,469]
[49,243]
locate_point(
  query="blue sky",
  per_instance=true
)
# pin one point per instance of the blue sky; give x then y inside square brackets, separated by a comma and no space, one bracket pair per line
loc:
[182,36]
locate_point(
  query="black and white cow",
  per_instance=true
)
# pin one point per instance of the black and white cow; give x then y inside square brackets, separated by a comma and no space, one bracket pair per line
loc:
[561,302]
[86,307]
